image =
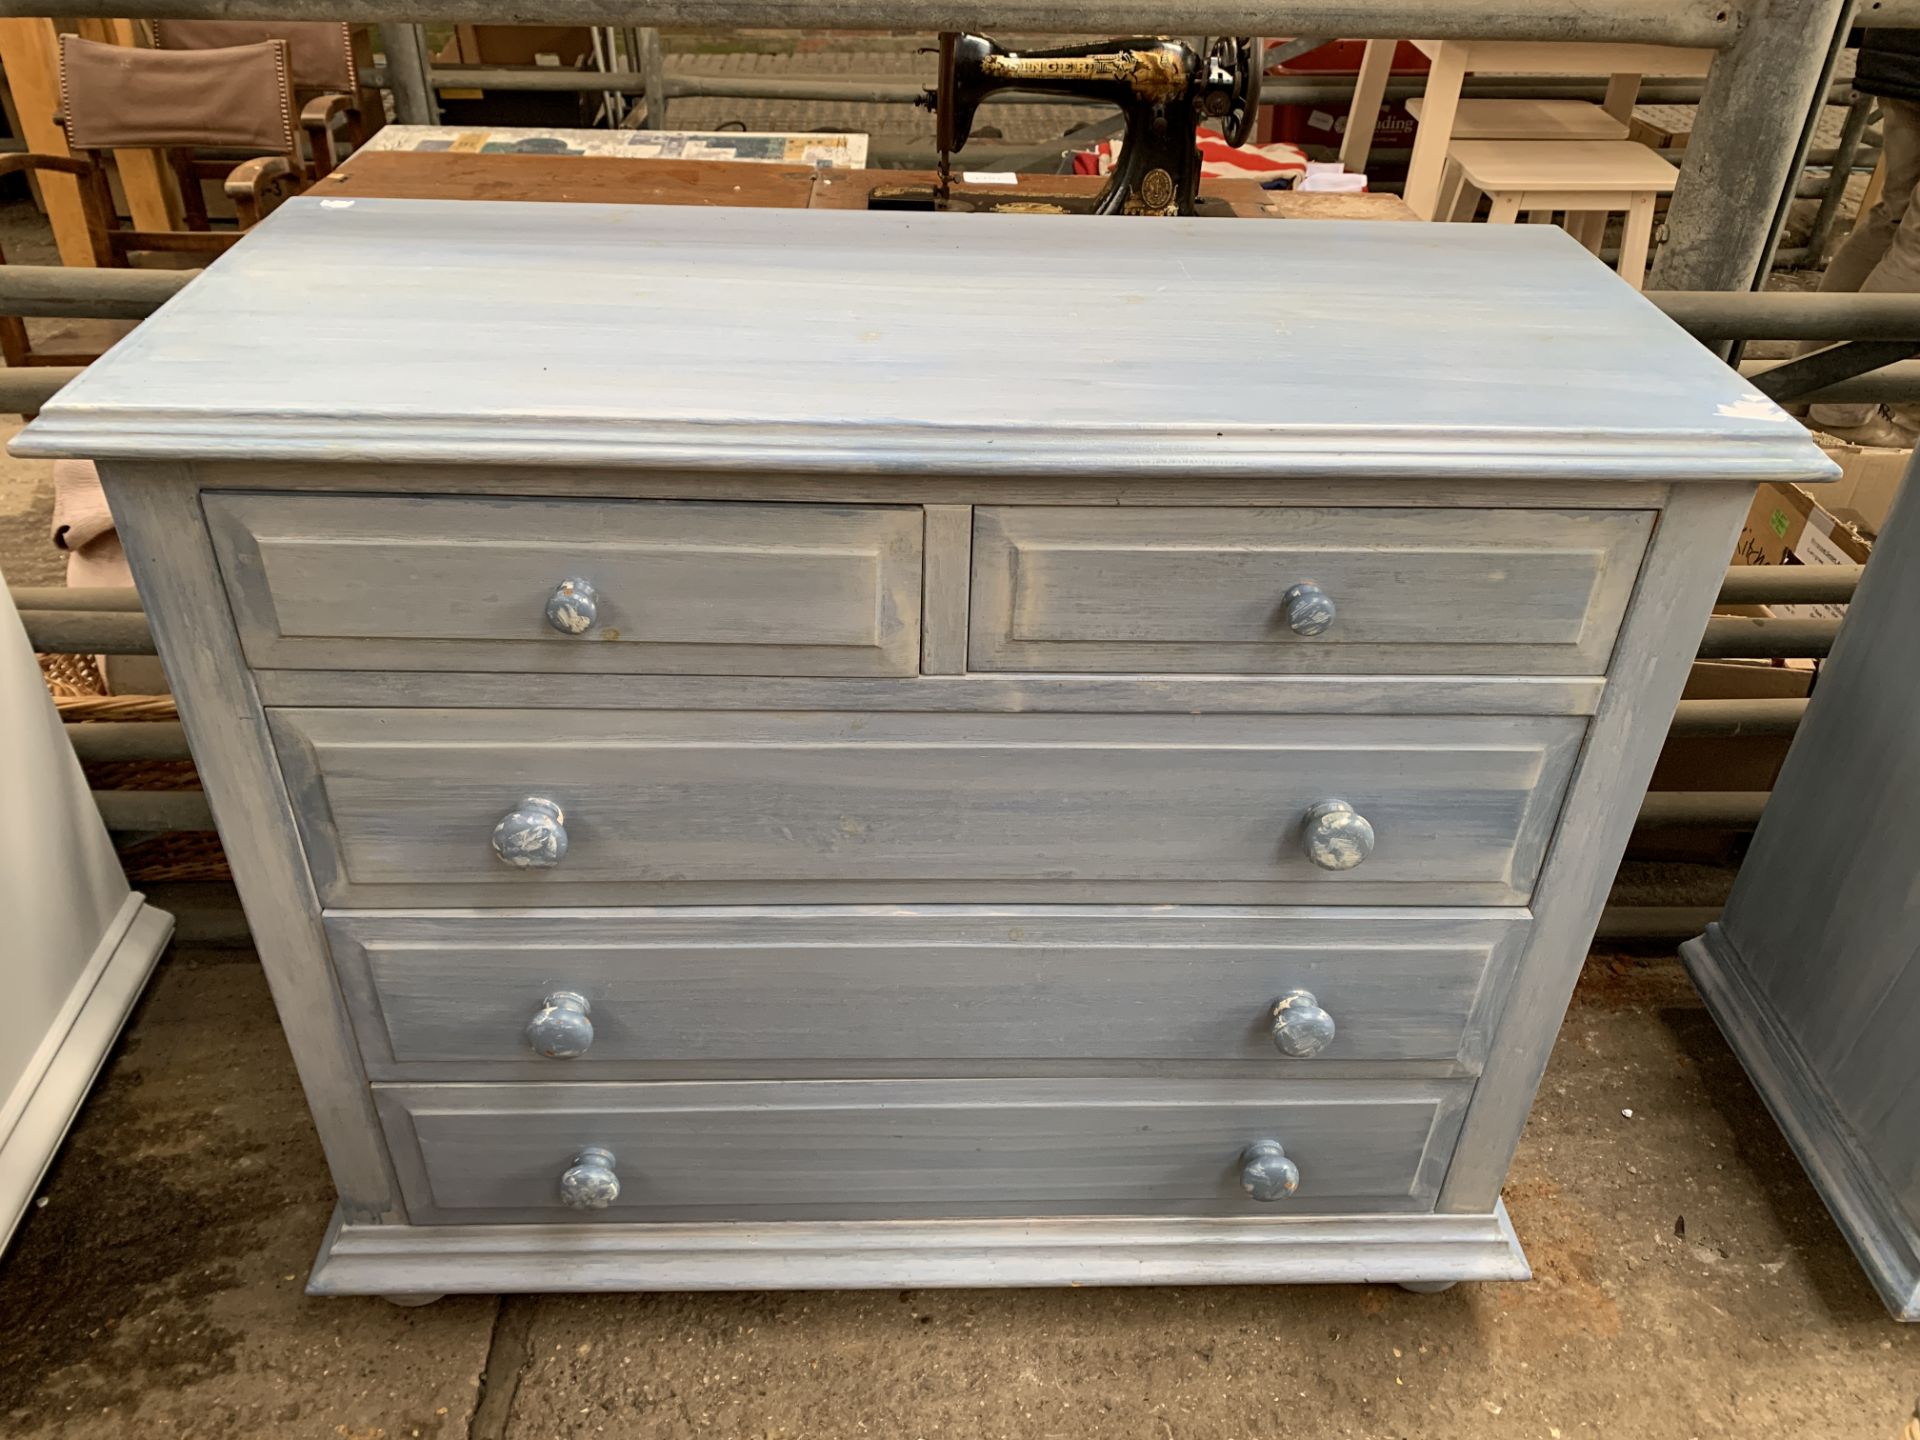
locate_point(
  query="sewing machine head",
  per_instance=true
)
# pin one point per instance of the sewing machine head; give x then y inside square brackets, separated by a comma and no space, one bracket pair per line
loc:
[1163,88]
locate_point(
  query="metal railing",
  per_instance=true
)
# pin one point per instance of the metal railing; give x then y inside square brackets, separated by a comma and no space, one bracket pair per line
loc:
[1710,24]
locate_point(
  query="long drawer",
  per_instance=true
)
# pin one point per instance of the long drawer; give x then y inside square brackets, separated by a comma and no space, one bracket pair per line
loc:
[400,806]
[664,993]
[821,1150]
[1171,589]
[365,582]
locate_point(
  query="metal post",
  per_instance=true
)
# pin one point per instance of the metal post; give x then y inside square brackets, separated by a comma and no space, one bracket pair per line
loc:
[1745,154]
[414,100]
[653,65]
[1849,147]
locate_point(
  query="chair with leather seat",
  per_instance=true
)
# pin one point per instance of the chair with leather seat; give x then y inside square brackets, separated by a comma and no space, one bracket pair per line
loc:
[326,58]
[236,103]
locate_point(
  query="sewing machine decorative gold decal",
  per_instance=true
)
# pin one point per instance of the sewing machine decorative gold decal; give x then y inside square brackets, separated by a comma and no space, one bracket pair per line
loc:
[1151,74]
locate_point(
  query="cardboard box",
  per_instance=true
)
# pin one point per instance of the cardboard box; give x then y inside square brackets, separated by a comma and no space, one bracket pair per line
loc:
[1324,126]
[1656,136]
[1869,479]
[1787,526]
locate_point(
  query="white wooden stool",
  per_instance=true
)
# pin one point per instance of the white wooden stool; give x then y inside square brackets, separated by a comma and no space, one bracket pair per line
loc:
[1587,179]
[1517,120]
[1529,120]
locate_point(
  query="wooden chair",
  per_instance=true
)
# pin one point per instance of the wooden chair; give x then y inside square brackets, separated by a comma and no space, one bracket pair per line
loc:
[326,60]
[238,101]
[1587,180]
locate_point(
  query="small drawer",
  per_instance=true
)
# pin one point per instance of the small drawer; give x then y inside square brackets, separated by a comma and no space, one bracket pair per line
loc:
[1277,589]
[874,1149]
[596,807]
[373,582]
[645,994]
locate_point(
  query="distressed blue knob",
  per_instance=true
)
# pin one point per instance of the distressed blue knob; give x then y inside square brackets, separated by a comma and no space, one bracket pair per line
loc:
[1265,1172]
[561,1029]
[532,835]
[590,1184]
[572,608]
[1308,609]
[1336,836]
[1301,1029]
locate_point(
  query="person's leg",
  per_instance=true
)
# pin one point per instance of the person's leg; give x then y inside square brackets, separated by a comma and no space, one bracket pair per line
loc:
[1873,233]
[1882,253]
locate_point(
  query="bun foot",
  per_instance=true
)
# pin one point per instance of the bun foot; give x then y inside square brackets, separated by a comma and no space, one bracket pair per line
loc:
[1427,1287]
[410,1301]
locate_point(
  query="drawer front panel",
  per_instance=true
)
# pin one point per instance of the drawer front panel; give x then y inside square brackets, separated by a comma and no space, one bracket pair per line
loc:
[398,806]
[817,1150]
[453,583]
[1168,589]
[866,991]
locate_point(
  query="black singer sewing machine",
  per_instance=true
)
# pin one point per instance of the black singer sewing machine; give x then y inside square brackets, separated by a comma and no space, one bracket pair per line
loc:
[1163,88]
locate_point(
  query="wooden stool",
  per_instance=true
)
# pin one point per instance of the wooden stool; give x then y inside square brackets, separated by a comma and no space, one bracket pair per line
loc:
[1529,120]
[1517,120]
[1587,179]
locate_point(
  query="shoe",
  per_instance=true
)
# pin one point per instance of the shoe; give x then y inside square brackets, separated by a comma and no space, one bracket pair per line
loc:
[1882,431]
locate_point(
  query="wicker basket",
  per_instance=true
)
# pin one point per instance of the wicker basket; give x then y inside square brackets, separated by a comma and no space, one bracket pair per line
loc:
[77,687]
[72,677]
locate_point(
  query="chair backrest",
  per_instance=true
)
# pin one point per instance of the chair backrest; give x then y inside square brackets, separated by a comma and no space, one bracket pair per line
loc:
[237,98]
[321,50]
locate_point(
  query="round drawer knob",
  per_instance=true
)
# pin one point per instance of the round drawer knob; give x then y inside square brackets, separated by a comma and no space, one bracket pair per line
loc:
[562,1029]
[1265,1172]
[1337,836]
[572,608]
[1301,1029]
[1308,609]
[532,835]
[590,1183]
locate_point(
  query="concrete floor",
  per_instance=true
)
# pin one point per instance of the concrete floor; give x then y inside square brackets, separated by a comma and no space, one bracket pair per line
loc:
[1689,1287]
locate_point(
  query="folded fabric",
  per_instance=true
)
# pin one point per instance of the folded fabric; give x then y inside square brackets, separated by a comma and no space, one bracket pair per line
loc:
[1269,165]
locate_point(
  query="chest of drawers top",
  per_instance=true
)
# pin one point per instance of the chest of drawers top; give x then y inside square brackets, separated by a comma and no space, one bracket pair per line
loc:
[838,343]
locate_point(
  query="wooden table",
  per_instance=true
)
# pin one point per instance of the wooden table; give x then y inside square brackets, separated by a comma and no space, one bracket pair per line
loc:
[583,179]
[592,179]
[1454,60]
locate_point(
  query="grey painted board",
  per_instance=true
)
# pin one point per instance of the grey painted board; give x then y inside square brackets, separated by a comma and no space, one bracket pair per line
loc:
[660,802]
[969,694]
[806,1149]
[1814,971]
[1873,1210]
[158,514]
[1184,589]
[453,583]
[949,551]
[450,995]
[835,340]
[1173,486]
[1269,1249]
[1671,601]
